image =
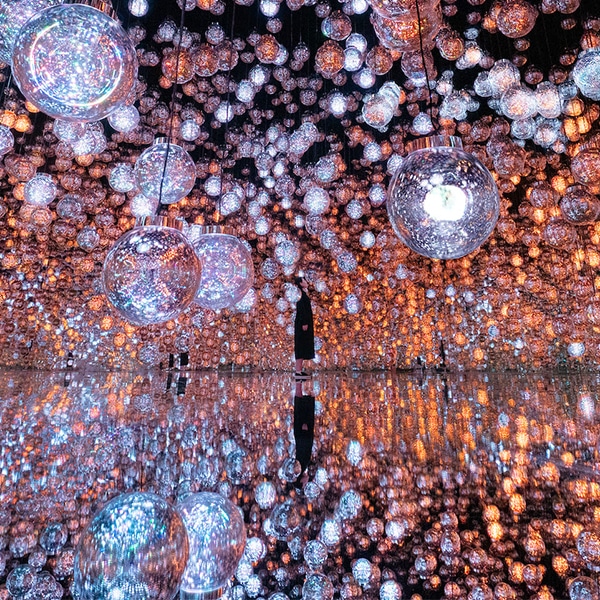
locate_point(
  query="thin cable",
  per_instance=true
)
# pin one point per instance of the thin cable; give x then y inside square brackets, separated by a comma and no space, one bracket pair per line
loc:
[161,206]
[231,49]
[422,51]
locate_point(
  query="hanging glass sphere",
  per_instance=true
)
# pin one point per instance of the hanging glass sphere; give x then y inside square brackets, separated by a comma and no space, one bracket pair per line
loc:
[442,202]
[7,140]
[586,73]
[227,267]
[75,62]
[124,118]
[40,190]
[136,547]
[179,174]
[122,178]
[13,15]
[217,536]
[152,273]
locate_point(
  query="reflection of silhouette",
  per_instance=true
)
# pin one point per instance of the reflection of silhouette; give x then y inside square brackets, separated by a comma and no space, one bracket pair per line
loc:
[304,426]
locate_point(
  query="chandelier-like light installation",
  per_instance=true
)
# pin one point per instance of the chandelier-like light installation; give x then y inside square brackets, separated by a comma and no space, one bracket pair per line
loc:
[227,267]
[442,202]
[152,272]
[75,61]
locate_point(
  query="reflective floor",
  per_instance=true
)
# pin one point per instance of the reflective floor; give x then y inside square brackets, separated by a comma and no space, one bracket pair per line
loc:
[484,487]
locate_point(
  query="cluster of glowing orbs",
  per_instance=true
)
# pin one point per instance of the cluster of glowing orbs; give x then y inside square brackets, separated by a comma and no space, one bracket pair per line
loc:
[151,274]
[165,172]
[227,267]
[442,202]
[136,547]
[74,62]
[217,537]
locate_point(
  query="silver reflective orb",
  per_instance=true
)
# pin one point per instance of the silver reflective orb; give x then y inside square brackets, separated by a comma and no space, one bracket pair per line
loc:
[227,267]
[136,547]
[442,202]
[217,536]
[13,15]
[178,175]
[74,62]
[152,273]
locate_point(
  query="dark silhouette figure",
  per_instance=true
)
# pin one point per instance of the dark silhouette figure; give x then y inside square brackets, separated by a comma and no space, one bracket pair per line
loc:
[304,427]
[304,333]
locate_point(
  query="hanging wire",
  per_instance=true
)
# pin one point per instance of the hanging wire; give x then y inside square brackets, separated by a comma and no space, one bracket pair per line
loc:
[422,52]
[161,206]
[231,49]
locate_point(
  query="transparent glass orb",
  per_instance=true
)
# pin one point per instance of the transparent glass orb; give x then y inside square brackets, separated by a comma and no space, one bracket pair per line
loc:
[286,253]
[227,267]
[316,201]
[179,174]
[140,206]
[138,8]
[586,73]
[122,178]
[579,206]
[13,15]
[217,536]
[124,118]
[7,140]
[516,18]
[152,273]
[68,131]
[88,238]
[442,202]
[190,130]
[136,547]
[519,102]
[70,39]
[40,190]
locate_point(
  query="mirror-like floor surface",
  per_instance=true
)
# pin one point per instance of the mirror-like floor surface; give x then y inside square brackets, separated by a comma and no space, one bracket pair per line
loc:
[484,487]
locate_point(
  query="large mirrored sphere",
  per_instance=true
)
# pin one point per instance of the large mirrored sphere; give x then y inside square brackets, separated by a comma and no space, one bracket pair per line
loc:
[179,174]
[136,547]
[151,274]
[227,269]
[74,62]
[217,537]
[442,202]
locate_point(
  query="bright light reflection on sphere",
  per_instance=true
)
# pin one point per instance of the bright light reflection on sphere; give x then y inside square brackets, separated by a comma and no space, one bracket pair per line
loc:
[442,202]
[217,538]
[151,274]
[179,174]
[74,38]
[13,15]
[136,547]
[227,269]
